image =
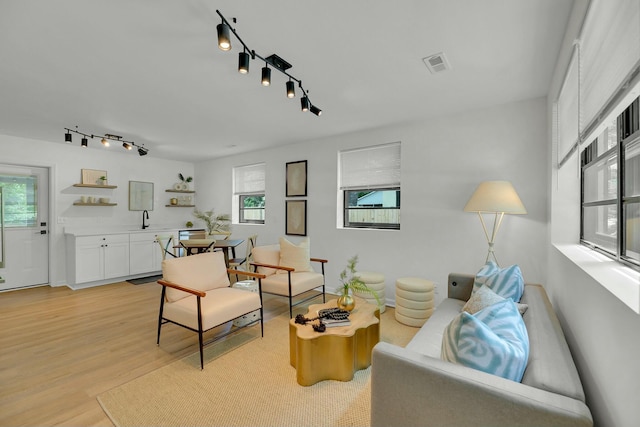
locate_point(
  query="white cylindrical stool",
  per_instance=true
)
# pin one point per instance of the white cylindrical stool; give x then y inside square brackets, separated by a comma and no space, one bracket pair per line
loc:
[252,286]
[375,282]
[414,300]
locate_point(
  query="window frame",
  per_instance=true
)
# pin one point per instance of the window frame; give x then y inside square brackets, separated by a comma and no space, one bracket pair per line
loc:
[242,209]
[248,181]
[375,225]
[628,133]
[367,169]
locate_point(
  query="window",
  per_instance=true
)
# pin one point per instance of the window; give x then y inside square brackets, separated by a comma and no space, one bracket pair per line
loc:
[369,184]
[20,200]
[249,193]
[610,187]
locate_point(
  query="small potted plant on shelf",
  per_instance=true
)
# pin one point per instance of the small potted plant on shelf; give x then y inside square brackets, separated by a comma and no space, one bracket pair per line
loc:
[189,224]
[351,282]
[212,221]
[185,181]
[102,180]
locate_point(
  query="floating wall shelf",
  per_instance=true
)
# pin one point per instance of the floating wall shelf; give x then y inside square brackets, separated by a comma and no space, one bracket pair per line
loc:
[95,186]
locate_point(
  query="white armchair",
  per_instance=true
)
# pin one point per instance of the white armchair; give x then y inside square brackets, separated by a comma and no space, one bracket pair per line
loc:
[288,271]
[196,295]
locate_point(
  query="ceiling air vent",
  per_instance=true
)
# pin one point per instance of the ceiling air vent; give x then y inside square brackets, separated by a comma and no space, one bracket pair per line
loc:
[437,63]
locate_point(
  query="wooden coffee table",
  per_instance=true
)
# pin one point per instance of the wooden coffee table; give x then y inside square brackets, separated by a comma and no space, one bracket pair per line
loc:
[337,353]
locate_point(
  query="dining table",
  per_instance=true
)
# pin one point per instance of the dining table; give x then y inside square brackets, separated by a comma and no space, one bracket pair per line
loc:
[198,246]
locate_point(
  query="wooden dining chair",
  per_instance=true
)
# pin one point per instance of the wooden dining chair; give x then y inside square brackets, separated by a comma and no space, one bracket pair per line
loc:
[244,263]
[166,246]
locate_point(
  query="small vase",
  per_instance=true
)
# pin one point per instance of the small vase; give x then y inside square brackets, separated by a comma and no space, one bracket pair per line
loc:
[346,302]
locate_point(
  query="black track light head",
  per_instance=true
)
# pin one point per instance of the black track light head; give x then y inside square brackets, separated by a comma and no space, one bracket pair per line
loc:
[243,62]
[224,39]
[127,146]
[67,137]
[142,151]
[291,89]
[315,110]
[266,76]
[84,142]
[105,142]
[304,102]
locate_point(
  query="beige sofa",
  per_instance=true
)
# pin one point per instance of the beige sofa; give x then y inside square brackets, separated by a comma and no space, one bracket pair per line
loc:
[412,386]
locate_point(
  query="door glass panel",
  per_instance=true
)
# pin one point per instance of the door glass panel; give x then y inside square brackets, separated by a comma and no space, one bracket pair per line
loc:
[20,200]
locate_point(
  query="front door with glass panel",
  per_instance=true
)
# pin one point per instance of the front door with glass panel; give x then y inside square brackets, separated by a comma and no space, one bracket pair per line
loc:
[25,195]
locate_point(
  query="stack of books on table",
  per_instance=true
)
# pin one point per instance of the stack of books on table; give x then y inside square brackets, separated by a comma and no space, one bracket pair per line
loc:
[330,323]
[338,319]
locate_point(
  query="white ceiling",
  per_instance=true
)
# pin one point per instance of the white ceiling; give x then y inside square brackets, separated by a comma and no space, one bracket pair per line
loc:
[151,72]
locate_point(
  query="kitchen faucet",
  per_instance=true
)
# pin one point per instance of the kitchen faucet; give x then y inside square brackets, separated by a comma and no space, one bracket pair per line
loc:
[145,213]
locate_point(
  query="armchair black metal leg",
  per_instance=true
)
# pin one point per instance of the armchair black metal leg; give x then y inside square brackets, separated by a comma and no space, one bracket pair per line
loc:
[200,334]
[261,322]
[290,307]
[160,315]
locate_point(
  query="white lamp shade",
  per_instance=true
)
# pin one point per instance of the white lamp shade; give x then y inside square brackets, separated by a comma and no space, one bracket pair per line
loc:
[495,196]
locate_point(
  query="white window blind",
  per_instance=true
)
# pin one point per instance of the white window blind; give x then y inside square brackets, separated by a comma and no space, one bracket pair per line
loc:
[370,167]
[610,51]
[249,179]
[568,109]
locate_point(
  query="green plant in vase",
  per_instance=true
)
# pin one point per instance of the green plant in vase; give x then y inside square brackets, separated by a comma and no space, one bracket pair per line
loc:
[351,282]
[212,221]
[185,181]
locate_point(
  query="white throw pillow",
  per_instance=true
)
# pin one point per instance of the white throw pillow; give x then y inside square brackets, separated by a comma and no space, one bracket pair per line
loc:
[270,255]
[295,256]
[494,340]
[484,297]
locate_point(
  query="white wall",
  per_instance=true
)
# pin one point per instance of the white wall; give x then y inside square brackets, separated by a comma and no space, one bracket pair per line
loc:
[443,160]
[66,162]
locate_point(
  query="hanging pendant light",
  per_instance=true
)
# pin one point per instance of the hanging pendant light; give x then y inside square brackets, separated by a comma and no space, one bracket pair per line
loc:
[84,142]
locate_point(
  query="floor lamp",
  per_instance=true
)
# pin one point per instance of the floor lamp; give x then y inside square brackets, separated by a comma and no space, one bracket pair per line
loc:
[494,197]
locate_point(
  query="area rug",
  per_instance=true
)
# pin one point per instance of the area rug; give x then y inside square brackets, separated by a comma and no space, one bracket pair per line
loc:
[247,381]
[143,280]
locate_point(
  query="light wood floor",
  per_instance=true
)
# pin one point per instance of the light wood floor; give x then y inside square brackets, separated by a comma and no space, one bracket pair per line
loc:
[61,348]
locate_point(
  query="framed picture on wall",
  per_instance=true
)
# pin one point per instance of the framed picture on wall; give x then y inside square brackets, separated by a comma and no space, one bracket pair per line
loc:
[296,217]
[94,177]
[297,179]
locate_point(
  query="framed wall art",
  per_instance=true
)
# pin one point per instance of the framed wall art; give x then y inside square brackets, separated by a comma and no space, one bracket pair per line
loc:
[297,179]
[296,217]
[94,177]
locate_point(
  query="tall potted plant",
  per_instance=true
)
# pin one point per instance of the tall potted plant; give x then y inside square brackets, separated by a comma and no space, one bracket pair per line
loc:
[212,221]
[351,282]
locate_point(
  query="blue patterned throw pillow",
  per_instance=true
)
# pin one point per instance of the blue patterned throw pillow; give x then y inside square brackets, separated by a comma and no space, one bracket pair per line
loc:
[506,282]
[494,340]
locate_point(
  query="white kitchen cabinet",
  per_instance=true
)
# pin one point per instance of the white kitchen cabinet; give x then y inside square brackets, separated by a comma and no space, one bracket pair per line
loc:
[94,258]
[145,253]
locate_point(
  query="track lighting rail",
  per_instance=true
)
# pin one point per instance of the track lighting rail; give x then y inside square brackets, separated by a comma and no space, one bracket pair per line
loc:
[274,60]
[127,145]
